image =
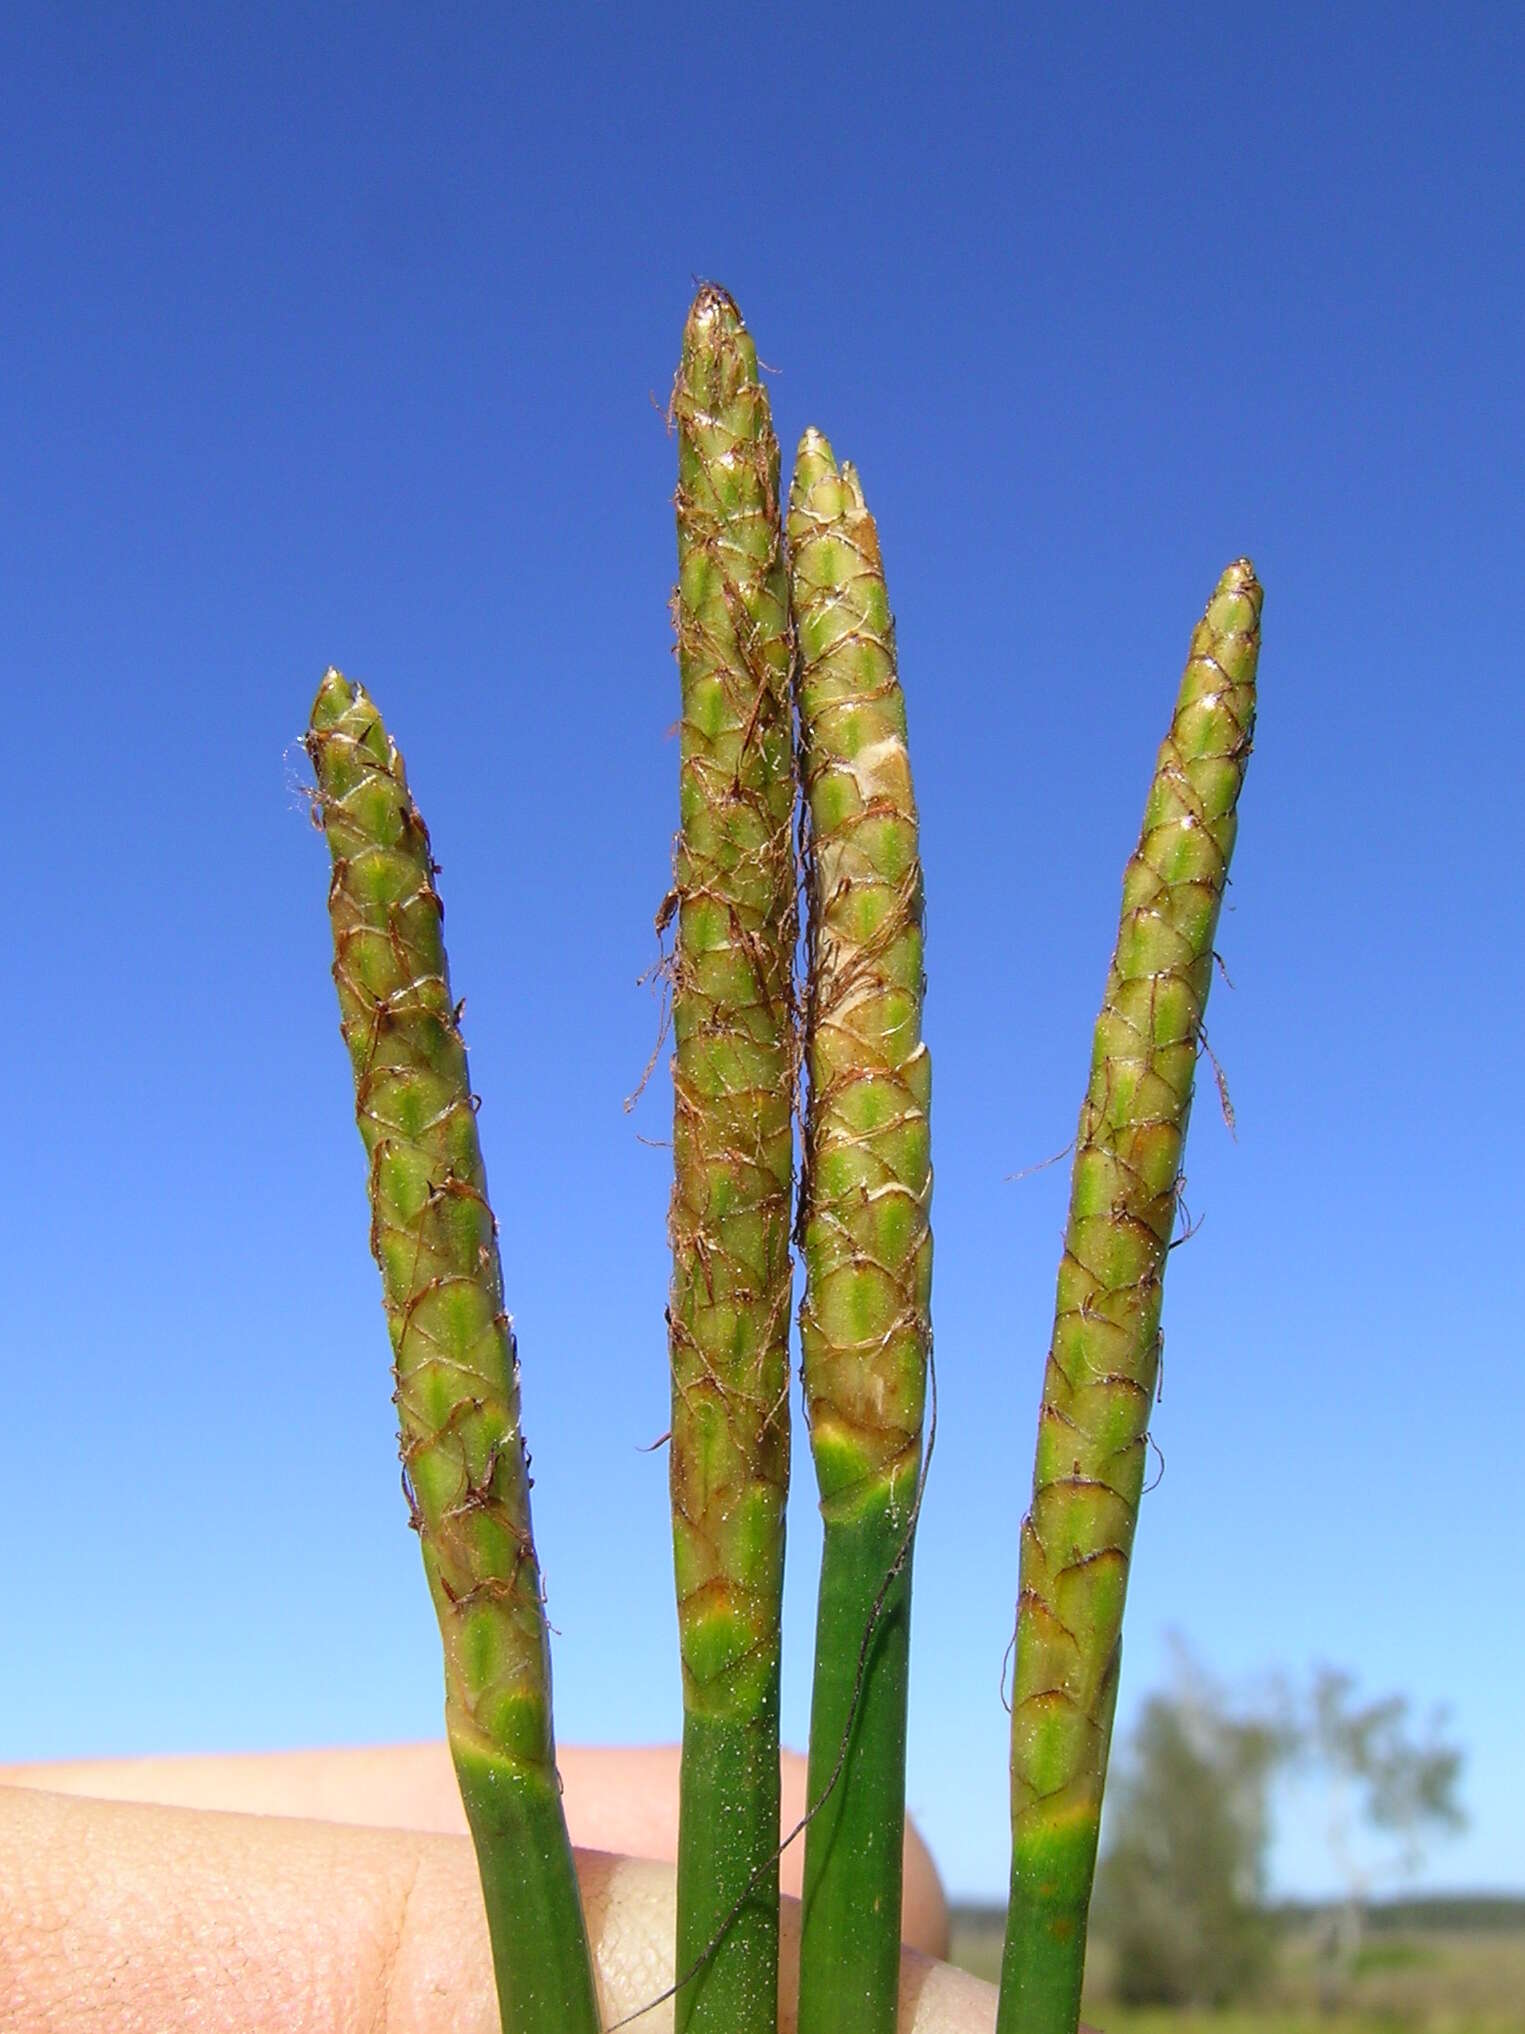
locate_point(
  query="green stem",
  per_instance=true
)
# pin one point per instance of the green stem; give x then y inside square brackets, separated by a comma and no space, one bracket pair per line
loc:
[1103,1363]
[534,1921]
[854,1845]
[729,1805]
[457,1389]
[865,1197]
[733,1087]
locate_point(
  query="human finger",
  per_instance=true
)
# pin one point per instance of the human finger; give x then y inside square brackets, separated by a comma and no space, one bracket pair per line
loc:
[618,1798]
[119,1914]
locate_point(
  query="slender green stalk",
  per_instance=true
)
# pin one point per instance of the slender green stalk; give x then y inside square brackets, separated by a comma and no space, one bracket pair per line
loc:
[865,1196]
[464,1463]
[733,1082]
[1104,1360]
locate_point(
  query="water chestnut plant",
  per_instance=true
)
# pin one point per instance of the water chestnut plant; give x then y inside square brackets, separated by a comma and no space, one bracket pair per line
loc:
[865,1195]
[1103,1362]
[794,784]
[465,1469]
[733,1167]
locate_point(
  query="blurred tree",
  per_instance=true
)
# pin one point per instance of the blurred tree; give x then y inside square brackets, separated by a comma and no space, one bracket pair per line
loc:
[1181,1888]
[1180,1893]
[1383,1775]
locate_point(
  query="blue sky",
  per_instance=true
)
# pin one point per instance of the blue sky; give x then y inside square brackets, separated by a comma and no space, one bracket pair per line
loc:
[344,335]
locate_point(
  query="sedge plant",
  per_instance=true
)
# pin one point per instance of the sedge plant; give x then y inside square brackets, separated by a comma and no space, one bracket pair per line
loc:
[465,1469]
[733,1109]
[794,769]
[865,1193]
[1103,1362]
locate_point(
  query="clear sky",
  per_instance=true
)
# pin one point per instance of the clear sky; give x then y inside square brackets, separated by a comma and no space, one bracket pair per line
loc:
[344,335]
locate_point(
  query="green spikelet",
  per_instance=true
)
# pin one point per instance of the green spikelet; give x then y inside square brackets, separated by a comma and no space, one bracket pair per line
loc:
[865,1200]
[733,1079]
[1103,1363]
[457,1390]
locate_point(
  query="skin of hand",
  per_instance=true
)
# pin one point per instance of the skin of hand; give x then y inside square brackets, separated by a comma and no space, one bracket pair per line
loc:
[319,1890]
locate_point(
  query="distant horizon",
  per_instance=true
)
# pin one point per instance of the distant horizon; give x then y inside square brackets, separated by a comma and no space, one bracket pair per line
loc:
[1374,1903]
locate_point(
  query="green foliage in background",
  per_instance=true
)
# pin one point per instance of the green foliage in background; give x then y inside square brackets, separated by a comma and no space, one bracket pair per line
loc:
[1180,1894]
[1388,1786]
